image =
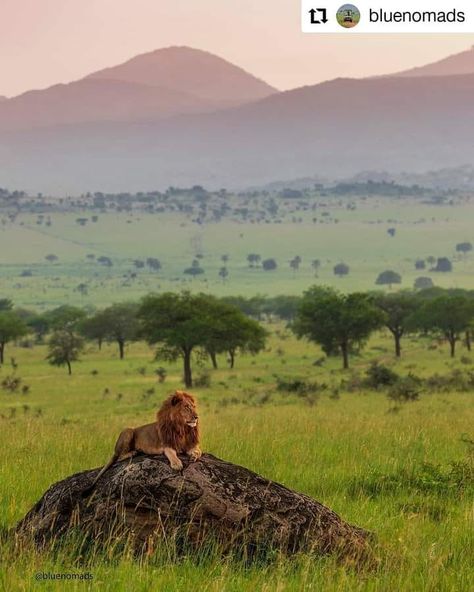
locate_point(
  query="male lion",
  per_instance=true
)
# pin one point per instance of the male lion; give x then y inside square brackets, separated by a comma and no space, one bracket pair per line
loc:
[176,430]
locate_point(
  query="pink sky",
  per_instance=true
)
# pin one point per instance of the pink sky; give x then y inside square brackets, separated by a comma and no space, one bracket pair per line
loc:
[48,41]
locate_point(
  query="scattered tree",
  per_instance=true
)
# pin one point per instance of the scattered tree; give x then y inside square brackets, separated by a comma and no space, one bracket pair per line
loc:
[11,327]
[450,314]
[388,278]
[398,311]
[422,283]
[443,265]
[64,347]
[337,322]
[269,264]
[463,248]
[341,269]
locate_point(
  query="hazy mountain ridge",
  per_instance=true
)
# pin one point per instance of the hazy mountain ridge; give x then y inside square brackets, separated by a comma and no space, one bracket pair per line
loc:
[152,86]
[458,64]
[331,130]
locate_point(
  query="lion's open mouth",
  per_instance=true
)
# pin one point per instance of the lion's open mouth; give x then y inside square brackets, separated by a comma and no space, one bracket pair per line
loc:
[192,424]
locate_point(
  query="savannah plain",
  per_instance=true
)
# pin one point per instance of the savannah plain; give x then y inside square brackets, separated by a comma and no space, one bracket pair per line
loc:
[403,470]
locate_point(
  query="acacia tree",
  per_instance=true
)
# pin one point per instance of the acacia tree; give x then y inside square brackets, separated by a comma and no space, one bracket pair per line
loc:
[398,312]
[182,324]
[11,327]
[177,324]
[95,328]
[64,347]
[336,321]
[65,317]
[231,331]
[120,323]
[452,315]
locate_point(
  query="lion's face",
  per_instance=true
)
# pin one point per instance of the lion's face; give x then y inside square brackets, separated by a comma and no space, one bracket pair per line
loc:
[184,405]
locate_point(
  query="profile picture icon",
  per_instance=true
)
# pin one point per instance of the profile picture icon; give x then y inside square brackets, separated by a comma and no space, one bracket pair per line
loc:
[348,16]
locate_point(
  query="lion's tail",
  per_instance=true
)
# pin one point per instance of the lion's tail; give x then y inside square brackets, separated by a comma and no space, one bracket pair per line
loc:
[107,466]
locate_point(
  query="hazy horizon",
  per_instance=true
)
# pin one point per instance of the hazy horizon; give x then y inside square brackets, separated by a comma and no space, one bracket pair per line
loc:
[58,41]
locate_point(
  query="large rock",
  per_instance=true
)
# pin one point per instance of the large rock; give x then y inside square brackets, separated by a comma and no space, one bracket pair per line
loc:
[145,499]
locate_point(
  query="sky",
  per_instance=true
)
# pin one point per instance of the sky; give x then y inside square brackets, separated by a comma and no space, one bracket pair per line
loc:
[44,42]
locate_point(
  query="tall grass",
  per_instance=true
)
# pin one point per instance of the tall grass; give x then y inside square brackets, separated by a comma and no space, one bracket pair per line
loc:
[392,473]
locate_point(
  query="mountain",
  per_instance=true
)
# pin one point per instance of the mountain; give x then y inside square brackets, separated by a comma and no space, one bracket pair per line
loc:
[334,129]
[149,87]
[460,63]
[2,98]
[193,71]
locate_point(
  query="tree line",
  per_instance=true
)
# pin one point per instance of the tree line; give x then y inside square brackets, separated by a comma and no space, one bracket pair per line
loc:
[184,325]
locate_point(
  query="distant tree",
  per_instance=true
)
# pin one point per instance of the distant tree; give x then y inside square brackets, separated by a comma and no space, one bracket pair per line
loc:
[316,264]
[295,263]
[451,315]
[253,259]
[391,232]
[195,269]
[153,263]
[139,264]
[5,304]
[40,325]
[443,265]
[420,264]
[341,269]
[82,289]
[231,331]
[431,260]
[65,317]
[105,261]
[223,273]
[422,283]
[254,307]
[11,327]
[337,322]
[225,259]
[398,312]
[463,248]
[64,348]
[388,278]
[178,324]
[95,328]
[121,324]
[51,258]
[269,264]
[284,307]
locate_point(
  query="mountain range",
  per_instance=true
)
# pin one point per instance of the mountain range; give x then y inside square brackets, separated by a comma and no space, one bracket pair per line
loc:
[180,116]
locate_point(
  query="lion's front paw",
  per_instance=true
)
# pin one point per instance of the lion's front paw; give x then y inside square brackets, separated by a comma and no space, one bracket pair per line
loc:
[195,454]
[177,465]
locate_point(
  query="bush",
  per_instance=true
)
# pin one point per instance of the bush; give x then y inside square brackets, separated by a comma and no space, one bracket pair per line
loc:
[379,375]
[299,386]
[203,380]
[405,389]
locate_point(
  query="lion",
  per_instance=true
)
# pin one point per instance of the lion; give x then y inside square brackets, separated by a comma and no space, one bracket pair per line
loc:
[175,431]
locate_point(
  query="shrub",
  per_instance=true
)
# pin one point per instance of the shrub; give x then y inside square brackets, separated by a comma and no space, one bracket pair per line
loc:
[203,380]
[405,389]
[379,375]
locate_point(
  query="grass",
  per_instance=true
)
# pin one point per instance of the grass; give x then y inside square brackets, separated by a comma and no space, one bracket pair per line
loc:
[357,237]
[388,472]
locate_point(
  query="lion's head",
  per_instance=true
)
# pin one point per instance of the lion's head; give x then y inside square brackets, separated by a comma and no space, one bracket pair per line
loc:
[178,421]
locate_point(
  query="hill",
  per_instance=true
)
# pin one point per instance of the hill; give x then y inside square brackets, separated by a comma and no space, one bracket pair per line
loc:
[152,86]
[334,129]
[460,63]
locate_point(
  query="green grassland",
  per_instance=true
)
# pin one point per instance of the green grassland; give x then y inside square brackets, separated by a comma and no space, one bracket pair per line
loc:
[332,233]
[351,450]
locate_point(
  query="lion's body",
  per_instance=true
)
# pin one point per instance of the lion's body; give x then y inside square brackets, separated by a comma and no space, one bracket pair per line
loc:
[175,431]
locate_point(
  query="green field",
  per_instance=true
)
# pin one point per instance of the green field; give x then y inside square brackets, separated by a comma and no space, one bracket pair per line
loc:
[331,233]
[385,467]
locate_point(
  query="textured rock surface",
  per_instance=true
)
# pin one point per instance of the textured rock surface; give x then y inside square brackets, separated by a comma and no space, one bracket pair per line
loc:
[210,499]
